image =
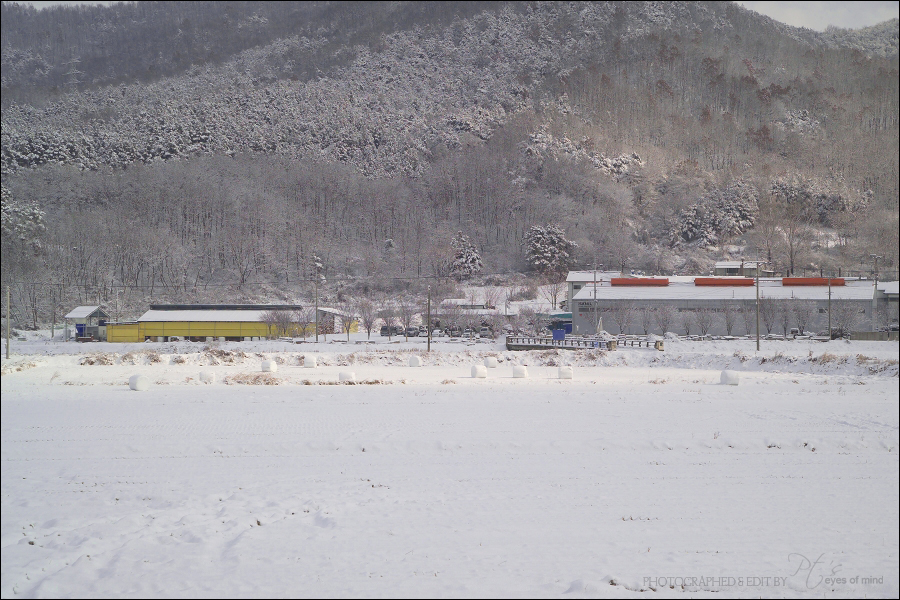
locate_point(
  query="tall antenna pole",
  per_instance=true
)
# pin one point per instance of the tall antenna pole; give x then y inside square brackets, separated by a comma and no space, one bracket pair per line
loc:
[596,312]
[757,301]
[829,308]
[317,304]
[428,311]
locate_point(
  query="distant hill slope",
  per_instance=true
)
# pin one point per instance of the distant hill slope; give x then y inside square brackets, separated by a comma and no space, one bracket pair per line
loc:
[387,106]
[660,134]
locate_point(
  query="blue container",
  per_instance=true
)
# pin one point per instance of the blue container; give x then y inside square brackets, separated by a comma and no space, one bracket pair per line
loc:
[559,334]
[79,329]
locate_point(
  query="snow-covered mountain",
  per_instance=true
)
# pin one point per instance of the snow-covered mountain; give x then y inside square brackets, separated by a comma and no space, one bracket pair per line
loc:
[632,125]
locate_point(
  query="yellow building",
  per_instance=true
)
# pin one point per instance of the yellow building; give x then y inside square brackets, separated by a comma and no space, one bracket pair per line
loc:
[226,322]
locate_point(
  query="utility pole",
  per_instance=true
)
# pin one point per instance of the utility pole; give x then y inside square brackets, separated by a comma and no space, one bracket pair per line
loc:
[7,323]
[829,308]
[317,304]
[875,258]
[596,313]
[428,313]
[757,305]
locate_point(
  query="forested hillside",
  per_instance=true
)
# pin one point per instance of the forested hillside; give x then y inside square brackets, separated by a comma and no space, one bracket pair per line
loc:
[196,149]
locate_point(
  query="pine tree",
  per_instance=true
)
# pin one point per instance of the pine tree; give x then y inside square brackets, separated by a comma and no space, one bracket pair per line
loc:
[466,261]
[547,250]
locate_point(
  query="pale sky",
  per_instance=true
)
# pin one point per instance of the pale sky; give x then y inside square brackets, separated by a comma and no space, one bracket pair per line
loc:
[813,15]
[819,15]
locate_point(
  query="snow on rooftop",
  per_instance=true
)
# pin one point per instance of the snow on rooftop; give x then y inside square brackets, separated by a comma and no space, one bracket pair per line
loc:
[589,275]
[736,264]
[83,312]
[688,291]
[230,316]
[210,315]
[889,287]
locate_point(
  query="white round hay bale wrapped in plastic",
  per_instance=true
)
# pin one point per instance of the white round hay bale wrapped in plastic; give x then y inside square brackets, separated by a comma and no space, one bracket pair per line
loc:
[566,372]
[221,338]
[415,361]
[479,371]
[269,366]
[207,377]
[730,378]
[139,383]
[309,361]
[347,376]
[520,372]
[491,362]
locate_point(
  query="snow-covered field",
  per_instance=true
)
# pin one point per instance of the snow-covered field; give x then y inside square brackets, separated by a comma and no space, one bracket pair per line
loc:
[642,475]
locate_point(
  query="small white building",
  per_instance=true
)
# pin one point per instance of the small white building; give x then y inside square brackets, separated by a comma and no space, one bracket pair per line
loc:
[741,268]
[89,321]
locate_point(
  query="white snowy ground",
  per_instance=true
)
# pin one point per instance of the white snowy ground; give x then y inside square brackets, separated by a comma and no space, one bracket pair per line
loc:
[427,482]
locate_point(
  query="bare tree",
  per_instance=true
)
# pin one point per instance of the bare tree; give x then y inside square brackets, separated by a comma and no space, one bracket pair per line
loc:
[704,320]
[845,317]
[664,315]
[491,296]
[687,321]
[388,312]
[492,320]
[622,311]
[534,321]
[451,314]
[785,314]
[645,314]
[407,309]
[803,312]
[768,312]
[553,289]
[365,308]
[347,316]
[284,321]
[729,316]
[270,318]
[748,316]
[304,317]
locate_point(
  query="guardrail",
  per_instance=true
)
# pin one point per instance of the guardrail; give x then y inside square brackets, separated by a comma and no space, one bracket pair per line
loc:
[523,342]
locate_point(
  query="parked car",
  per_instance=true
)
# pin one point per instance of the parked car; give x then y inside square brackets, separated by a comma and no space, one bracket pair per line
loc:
[455,332]
[486,333]
[438,333]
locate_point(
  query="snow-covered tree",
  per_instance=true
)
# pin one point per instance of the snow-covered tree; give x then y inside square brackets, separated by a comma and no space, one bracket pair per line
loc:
[466,261]
[547,250]
[719,214]
[22,222]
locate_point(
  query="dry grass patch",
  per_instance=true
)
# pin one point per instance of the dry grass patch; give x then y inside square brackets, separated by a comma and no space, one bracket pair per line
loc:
[252,379]
[98,358]
[216,356]
[17,367]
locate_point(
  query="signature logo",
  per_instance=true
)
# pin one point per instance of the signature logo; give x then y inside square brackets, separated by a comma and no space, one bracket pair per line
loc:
[817,571]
